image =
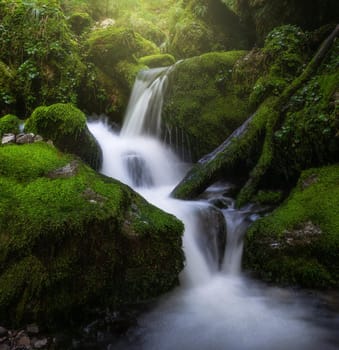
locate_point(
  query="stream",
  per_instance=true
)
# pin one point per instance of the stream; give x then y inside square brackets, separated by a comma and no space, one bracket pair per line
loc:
[216,306]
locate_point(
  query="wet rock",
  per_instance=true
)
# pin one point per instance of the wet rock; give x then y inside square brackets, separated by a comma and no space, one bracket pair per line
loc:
[38,138]
[24,138]
[68,170]
[41,343]
[8,139]
[3,332]
[32,328]
[22,341]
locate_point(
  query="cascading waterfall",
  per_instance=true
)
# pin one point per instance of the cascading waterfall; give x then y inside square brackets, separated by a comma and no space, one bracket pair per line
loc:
[215,307]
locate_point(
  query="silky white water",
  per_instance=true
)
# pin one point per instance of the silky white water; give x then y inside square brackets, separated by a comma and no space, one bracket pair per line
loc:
[215,307]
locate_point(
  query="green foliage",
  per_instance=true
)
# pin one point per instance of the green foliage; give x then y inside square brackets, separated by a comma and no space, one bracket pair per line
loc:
[9,124]
[285,53]
[305,226]
[203,26]
[41,53]
[69,243]
[7,95]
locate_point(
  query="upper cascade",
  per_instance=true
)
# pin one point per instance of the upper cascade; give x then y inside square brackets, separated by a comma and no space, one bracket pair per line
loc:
[143,116]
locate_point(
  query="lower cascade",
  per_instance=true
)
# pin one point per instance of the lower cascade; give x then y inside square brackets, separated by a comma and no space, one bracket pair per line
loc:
[216,306]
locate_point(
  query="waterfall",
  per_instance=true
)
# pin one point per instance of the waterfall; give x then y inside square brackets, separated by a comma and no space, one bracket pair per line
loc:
[143,114]
[215,307]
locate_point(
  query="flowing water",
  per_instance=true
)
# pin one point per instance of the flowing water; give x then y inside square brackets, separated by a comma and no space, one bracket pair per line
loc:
[216,306]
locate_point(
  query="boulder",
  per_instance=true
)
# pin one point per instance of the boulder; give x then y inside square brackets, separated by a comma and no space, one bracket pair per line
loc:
[23,138]
[7,139]
[66,126]
[298,243]
[71,245]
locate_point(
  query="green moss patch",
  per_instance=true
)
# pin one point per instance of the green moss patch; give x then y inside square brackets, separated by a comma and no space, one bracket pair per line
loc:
[160,60]
[68,244]
[66,126]
[204,100]
[301,237]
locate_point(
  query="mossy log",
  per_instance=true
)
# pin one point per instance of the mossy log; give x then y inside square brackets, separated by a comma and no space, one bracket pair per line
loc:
[253,148]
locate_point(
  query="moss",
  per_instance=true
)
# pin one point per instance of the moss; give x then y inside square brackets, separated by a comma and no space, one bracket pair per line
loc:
[9,124]
[79,22]
[154,61]
[202,101]
[268,197]
[305,227]
[66,126]
[67,244]
[113,55]
[113,44]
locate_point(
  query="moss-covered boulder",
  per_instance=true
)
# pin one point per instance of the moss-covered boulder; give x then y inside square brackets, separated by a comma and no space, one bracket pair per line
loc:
[113,54]
[75,241]
[206,100]
[264,15]
[111,45]
[66,126]
[160,60]
[299,242]
[9,124]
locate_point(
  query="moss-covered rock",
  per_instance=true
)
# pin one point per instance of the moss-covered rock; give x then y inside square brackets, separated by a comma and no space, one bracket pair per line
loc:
[299,242]
[301,122]
[113,54]
[66,126]
[69,244]
[110,45]
[9,124]
[160,60]
[204,100]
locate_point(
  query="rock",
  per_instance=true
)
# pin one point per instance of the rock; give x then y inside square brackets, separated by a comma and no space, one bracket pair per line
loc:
[3,332]
[5,347]
[38,138]
[39,344]
[66,126]
[8,139]
[119,251]
[23,341]
[24,138]
[68,170]
[32,328]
